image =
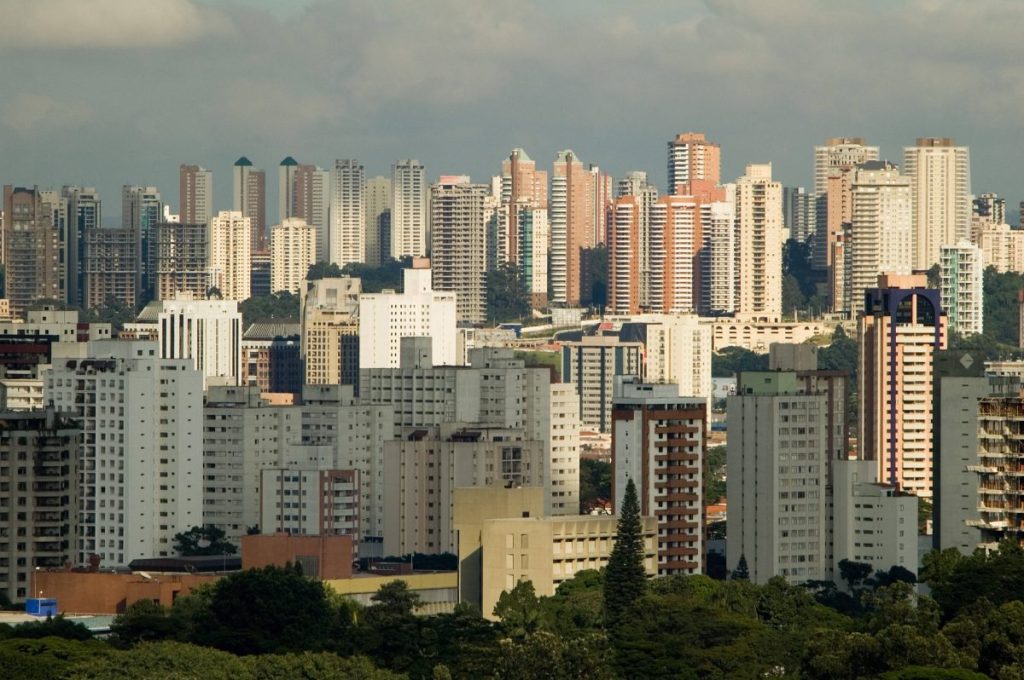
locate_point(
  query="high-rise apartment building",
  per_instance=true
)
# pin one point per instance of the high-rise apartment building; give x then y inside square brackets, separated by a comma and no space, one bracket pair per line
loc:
[459,249]
[777,466]
[523,187]
[759,243]
[410,233]
[989,207]
[677,350]
[312,202]
[592,366]
[242,436]
[659,441]
[195,195]
[574,225]
[534,240]
[961,275]
[286,172]
[179,260]
[718,257]
[39,454]
[347,234]
[833,163]
[1002,247]
[84,214]
[31,249]
[249,192]
[940,175]
[496,390]
[901,328]
[292,252]
[329,312]
[880,235]
[230,256]
[692,157]
[799,212]
[629,237]
[141,456]
[111,267]
[378,220]
[418,311]
[141,210]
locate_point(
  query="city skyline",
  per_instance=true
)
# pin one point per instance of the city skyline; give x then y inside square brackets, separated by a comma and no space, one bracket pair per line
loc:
[320,81]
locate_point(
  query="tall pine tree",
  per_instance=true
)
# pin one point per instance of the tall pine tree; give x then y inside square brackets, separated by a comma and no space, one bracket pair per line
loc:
[625,578]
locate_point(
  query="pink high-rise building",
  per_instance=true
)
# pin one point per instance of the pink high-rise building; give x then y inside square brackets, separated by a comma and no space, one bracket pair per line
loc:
[692,157]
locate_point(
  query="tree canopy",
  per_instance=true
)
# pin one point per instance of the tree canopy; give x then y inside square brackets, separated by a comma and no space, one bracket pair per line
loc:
[204,540]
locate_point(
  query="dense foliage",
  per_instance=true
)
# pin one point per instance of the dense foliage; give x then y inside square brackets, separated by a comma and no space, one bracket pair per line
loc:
[800,283]
[507,297]
[204,540]
[279,307]
[729,361]
[595,482]
[624,578]
[274,623]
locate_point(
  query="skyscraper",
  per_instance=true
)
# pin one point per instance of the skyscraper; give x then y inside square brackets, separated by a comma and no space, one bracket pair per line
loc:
[635,184]
[692,157]
[286,172]
[573,225]
[718,257]
[534,238]
[195,195]
[83,214]
[347,234]
[312,195]
[940,174]
[250,198]
[798,209]
[179,259]
[880,236]
[523,187]
[759,243]
[409,229]
[832,164]
[378,220]
[230,257]
[292,251]
[142,210]
[31,248]
[459,250]
[900,330]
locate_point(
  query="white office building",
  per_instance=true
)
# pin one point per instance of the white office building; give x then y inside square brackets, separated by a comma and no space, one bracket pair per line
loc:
[208,332]
[418,311]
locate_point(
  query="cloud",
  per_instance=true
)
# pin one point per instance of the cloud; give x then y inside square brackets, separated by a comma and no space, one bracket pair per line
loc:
[84,24]
[28,112]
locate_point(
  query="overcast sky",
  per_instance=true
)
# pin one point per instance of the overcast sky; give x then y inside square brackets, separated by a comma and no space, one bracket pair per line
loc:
[108,92]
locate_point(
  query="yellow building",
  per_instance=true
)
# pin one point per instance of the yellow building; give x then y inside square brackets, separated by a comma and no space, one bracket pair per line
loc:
[504,538]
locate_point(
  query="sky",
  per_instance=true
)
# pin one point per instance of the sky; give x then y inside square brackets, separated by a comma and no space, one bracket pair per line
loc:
[110,92]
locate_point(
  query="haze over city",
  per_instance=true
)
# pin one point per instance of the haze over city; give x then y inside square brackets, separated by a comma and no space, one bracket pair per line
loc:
[115,93]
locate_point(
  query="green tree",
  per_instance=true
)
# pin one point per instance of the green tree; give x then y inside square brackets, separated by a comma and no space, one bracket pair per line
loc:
[854,573]
[519,610]
[729,361]
[205,540]
[595,482]
[741,572]
[142,621]
[323,270]
[625,579]
[56,626]
[280,307]
[264,611]
[545,656]
[507,297]
[113,311]
[1000,297]
[389,275]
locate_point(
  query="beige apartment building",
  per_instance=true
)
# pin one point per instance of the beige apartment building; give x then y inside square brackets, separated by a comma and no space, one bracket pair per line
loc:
[230,255]
[329,317]
[292,252]
[691,156]
[759,242]
[833,166]
[1002,247]
[940,173]
[504,538]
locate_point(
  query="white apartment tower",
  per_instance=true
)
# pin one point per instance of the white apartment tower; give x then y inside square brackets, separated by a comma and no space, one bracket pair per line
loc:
[292,251]
[839,153]
[141,456]
[410,194]
[230,268]
[419,311]
[962,271]
[880,237]
[459,250]
[759,243]
[718,258]
[940,174]
[347,233]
